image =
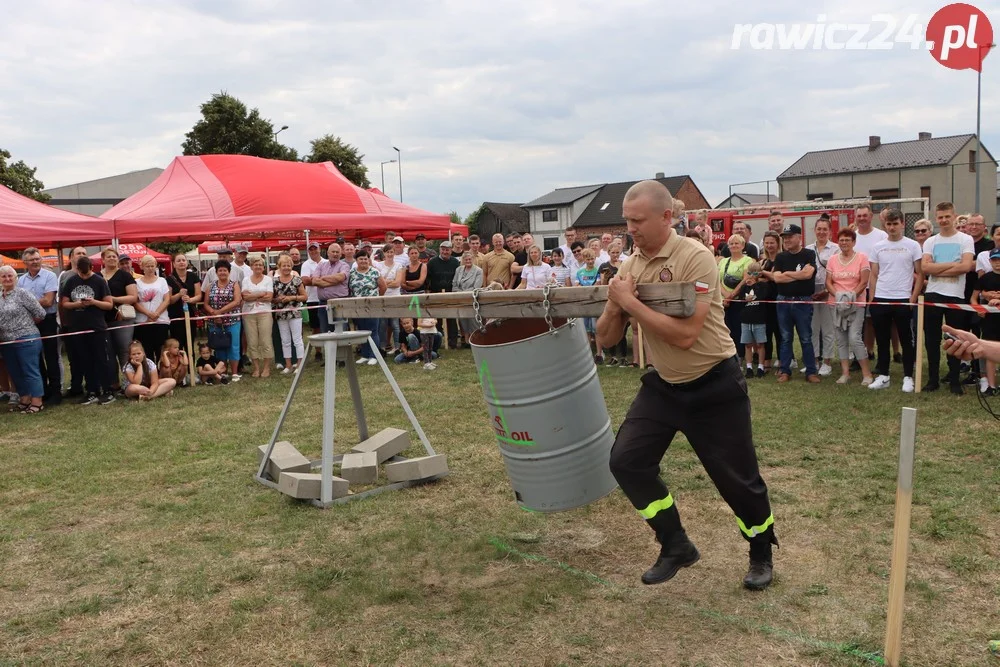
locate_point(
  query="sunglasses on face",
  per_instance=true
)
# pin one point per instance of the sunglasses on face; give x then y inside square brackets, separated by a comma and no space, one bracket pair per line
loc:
[921,231]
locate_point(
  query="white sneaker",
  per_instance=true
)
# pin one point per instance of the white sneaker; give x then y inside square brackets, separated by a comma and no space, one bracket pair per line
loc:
[286,371]
[825,369]
[843,379]
[908,385]
[360,361]
[429,366]
[793,365]
[235,377]
[984,384]
[373,361]
[881,382]
[279,367]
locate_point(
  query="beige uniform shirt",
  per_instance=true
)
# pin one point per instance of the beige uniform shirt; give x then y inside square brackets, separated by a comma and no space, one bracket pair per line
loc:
[686,260]
[497,266]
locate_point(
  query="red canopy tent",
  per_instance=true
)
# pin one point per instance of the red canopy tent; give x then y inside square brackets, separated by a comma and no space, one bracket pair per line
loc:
[136,251]
[237,196]
[26,222]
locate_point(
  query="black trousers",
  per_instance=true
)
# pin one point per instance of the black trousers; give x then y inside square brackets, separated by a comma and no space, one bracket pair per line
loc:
[51,378]
[152,337]
[734,320]
[773,332]
[883,317]
[94,359]
[713,412]
[933,319]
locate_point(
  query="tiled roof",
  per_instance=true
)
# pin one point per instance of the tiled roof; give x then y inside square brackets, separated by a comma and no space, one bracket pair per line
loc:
[606,208]
[511,213]
[561,196]
[895,155]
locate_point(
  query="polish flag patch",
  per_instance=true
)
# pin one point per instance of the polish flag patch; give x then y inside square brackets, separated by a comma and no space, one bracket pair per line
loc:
[700,287]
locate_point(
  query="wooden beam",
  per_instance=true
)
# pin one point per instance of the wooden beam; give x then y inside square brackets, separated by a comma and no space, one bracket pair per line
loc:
[900,539]
[676,299]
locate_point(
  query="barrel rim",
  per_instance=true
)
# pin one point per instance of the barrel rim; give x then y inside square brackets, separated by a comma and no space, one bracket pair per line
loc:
[557,329]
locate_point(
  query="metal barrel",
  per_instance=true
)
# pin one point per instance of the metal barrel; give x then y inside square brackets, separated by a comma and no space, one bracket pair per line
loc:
[547,411]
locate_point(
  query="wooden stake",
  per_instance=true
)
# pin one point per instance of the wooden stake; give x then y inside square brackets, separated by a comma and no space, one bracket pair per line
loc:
[900,538]
[444,328]
[919,363]
[640,343]
[191,353]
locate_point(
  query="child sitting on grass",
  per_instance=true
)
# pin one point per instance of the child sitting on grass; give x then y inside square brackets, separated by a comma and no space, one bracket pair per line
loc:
[174,362]
[141,378]
[410,348]
[210,369]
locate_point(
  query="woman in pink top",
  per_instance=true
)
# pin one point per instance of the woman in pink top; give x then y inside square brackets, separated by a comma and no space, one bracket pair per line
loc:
[847,275]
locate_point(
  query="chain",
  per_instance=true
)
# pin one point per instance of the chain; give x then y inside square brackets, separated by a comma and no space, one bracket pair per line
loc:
[546,305]
[475,307]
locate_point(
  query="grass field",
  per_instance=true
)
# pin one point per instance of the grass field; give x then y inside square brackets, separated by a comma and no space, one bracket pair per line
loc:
[135,535]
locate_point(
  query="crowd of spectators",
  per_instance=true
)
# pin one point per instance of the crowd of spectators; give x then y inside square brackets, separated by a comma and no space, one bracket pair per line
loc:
[849,300]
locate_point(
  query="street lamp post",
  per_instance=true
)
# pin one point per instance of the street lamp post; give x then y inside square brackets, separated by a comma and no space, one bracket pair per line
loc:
[399,168]
[283,128]
[382,167]
[979,99]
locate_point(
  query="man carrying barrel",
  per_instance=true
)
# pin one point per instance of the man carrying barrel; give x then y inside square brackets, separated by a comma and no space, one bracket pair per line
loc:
[697,389]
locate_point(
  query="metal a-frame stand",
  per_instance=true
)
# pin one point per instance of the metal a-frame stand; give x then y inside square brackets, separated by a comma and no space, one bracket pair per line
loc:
[336,347]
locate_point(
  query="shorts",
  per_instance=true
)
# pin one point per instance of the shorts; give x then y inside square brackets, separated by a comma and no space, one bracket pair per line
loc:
[751,334]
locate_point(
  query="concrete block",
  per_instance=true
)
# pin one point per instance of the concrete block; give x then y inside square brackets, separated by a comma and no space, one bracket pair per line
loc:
[306,486]
[419,468]
[386,443]
[284,458]
[360,468]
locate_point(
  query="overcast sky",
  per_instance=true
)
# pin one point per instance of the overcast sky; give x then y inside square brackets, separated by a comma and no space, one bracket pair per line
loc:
[498,101]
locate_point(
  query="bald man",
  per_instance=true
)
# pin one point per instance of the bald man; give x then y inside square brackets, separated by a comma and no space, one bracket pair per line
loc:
[697,379]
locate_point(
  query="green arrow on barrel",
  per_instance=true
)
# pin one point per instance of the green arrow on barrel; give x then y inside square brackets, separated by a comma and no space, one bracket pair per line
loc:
[486,379]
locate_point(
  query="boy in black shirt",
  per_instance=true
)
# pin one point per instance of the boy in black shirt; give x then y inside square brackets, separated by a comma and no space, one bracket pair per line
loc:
[793,277]
[85,299]
[753,319]
[987,293]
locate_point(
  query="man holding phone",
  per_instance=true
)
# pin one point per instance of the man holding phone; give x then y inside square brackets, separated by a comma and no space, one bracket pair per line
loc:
[85,298]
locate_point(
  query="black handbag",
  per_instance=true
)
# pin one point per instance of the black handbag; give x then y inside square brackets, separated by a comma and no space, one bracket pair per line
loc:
[219,338]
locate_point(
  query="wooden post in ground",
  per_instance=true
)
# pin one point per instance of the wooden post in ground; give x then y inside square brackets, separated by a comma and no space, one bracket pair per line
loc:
[918,367]
[192,354]
[900,538]
[444,328]
[642,349]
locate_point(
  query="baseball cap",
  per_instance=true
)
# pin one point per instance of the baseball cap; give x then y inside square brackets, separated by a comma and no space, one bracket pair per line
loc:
[397,239]
[420,236]
[123,258]
[313,244]
[791,229]
[225,251]
[242,251]
[995,253]
[445,244]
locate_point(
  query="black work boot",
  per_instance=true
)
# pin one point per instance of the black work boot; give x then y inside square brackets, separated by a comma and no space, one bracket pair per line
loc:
[676,552]
[761,568]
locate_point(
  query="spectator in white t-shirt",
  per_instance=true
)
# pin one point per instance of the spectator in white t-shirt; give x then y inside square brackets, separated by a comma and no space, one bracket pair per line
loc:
[151,319]
[895,285]
[392,273]
[317,315]
[983,258]
[868,236]
[947,257]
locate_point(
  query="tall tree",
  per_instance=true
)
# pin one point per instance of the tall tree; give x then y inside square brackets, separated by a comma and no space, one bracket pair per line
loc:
[227,127]
[472,220]
[20,178]
[345,157]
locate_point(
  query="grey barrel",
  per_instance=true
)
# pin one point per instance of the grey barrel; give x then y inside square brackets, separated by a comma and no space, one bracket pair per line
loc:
[547,411]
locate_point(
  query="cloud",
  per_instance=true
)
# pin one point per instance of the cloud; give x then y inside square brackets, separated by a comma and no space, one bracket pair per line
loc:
[500,101]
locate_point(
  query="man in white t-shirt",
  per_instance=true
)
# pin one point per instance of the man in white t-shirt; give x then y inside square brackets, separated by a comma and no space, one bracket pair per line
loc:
[400,257]
[894,285]
[567,247]
[868,236]
[947,257]
[317,315]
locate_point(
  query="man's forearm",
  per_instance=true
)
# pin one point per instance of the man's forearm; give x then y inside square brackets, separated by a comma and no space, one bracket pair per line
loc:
[611,325]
